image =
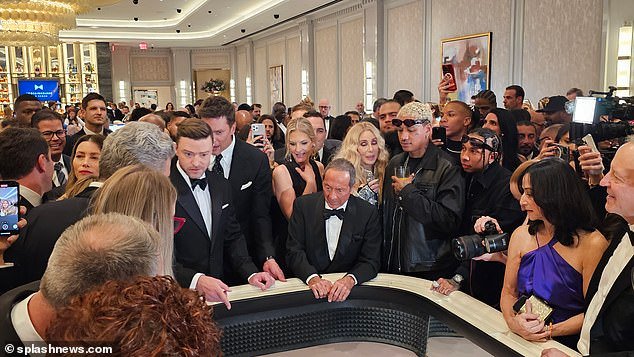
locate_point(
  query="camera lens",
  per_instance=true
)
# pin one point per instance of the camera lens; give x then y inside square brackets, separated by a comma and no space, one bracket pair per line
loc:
[496,242]
[467,247]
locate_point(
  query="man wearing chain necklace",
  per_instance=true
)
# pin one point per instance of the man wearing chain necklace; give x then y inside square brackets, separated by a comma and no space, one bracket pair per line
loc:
[421,211]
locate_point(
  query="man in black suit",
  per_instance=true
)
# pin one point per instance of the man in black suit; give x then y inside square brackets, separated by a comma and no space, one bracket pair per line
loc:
[608,324]
[211,232]
[93,112]
[249,175]
[325,148]
[25,157]
[332,231]
[135,143]
[51,125]
[97,249]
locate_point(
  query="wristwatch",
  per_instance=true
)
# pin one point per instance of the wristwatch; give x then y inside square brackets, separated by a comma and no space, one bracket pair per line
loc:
[269,258]
[457,279]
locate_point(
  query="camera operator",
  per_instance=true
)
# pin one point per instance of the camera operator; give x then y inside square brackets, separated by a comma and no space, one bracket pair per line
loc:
[488,195]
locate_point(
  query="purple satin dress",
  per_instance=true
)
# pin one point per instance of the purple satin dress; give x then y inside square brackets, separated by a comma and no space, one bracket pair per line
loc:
[545,274]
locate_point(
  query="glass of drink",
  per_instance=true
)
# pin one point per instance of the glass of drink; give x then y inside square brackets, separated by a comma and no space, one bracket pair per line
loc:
[401,172]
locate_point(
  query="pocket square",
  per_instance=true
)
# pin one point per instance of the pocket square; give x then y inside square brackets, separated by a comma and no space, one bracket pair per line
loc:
[225,205]
[246,185]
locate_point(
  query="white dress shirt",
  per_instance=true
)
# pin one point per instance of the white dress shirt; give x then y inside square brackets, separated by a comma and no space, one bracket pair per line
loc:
[227,157]
[203,200]
[64,170]
[22,324]
[619,259]
[88,132]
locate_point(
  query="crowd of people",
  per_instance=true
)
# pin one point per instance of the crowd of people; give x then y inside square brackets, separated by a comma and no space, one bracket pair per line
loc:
[181,204]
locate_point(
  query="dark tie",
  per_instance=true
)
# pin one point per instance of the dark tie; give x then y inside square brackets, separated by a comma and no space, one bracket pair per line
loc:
[201,182]
[333,212]
[59,171]
[217,168]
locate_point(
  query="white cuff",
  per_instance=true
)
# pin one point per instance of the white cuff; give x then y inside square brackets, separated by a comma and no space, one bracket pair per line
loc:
[310,277]
[194,282]
[249,278]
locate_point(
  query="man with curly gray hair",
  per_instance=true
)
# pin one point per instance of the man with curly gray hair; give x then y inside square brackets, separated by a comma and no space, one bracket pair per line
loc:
[135,143]
[422,208]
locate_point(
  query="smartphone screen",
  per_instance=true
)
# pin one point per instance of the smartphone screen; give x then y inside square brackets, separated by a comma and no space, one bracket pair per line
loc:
[449,75]
[9,210]
[584,110]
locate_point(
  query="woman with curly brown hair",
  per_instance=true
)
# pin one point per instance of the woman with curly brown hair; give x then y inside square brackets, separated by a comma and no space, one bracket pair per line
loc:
[147,316]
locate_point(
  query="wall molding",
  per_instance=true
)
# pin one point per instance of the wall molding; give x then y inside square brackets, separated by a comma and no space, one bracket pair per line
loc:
[337,15]
[516,51]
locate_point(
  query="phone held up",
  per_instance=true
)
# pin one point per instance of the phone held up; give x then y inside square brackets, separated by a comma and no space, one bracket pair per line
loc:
[449,75]
[439,132]
[257,130]
[9,209]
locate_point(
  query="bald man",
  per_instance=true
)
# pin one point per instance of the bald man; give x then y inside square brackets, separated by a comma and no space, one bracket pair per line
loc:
[154,119]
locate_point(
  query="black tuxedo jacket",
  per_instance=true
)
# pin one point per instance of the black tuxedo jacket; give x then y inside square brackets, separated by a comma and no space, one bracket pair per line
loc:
[252,191]
[7,302]
[330,149]
[616,317]
[194,250]
[46,223]
[71,140]
[57,191]
[359,247]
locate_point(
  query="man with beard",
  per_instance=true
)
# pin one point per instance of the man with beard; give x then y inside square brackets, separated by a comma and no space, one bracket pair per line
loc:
[388,111]
[526,139]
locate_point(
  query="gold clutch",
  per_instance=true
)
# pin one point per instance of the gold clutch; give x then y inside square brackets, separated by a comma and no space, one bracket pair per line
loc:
[538,307]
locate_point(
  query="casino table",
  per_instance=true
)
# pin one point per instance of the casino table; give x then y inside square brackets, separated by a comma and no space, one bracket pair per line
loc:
[390,309]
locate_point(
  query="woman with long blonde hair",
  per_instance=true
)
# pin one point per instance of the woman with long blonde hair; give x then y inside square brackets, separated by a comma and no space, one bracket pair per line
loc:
[365,148]
[147,194]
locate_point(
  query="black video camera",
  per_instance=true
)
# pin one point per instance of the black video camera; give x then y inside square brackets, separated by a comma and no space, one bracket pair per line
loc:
[489,241]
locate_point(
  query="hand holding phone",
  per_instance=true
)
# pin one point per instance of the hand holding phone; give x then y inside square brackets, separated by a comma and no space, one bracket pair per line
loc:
[439,133]
[449,76]
[9,212]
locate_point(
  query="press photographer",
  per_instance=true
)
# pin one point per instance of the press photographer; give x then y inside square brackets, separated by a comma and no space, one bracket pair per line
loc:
[488,195]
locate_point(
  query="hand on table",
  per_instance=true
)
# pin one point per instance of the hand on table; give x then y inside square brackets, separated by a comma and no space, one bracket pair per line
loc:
[341,289]
[271,267]
[214,290]
[320,287]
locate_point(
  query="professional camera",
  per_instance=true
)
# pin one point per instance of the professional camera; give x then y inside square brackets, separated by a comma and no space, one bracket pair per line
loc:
[602,115]
[489,241]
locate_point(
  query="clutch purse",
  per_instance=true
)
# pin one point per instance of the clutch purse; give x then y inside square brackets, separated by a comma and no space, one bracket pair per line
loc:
[539,307]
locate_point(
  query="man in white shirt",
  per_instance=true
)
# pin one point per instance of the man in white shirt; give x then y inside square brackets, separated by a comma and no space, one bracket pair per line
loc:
[333,232]
[608,324]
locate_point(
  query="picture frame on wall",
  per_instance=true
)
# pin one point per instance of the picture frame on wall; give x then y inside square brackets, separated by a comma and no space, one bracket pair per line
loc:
[146,97]
[467,59]
[276,83]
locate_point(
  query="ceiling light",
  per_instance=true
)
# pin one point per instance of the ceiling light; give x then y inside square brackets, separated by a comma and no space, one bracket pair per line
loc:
[37,23]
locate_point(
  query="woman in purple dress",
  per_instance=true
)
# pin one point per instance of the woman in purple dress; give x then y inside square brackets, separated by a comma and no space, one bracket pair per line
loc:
[554,256]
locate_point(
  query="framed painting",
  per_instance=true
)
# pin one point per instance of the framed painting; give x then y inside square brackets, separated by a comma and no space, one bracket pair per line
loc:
[276,84]
[146,97]
[468,60]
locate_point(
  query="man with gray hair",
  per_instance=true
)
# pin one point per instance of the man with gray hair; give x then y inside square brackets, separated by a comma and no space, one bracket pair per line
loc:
[135,143]
[333,231]
[96,249]
[423,200]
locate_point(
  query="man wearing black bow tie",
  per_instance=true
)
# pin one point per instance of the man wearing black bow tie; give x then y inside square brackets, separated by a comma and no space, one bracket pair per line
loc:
[332,232]
[211,232]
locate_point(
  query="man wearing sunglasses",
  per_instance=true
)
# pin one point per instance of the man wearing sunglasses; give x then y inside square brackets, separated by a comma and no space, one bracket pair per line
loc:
[422,210]
[488,195]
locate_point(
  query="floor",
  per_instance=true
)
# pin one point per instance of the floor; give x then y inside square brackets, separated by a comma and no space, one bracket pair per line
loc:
[436,347]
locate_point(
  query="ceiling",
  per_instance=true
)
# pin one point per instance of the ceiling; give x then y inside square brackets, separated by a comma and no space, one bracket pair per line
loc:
[200,23]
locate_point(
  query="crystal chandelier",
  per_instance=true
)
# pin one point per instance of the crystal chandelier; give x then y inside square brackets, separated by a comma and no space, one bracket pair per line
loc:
[38,22]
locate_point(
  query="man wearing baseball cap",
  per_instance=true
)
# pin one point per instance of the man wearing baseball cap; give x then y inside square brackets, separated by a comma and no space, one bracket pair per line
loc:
[555,111]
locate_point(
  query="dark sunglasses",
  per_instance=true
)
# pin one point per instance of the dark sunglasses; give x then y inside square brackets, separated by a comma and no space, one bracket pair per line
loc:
[178,224]
[477,143]
[408,122]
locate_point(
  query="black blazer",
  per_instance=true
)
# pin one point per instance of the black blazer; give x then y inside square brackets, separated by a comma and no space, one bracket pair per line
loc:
[194,250]
[330,149]
[359,247]
[57,191]
[616,316]
[252,191]
[45,224]
[7,302]
[71,140]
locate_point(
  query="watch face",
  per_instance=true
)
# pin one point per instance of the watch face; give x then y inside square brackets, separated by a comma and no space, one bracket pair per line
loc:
[457,278]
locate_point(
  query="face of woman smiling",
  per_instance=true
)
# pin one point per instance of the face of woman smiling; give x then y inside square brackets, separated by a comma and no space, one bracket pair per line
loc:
[300,146]
[368,148]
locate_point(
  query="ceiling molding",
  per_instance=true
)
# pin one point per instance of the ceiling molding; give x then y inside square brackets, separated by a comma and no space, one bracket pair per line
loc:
[194,5]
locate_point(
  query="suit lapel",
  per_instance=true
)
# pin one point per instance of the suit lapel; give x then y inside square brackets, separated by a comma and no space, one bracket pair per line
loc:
[186,199]
[216,205]
[345,237]
[622,282]
[319,224]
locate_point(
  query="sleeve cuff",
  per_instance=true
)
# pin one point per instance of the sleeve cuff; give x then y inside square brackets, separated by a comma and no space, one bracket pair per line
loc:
[249,278]
[194,282]
[310,277]
[353,278]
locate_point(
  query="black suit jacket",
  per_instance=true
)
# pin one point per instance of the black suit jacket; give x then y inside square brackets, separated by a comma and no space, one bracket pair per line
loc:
[46,223]
[71,140]
[359,247]
[252,191]
[57,191]
[613,330]
[330,149]
[7,302]
[194,250]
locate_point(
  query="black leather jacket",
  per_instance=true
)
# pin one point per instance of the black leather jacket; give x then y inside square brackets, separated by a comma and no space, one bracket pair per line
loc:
[420,222]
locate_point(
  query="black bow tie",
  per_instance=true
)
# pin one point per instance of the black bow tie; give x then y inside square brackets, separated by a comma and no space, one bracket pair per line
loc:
[333,212]
[201,182]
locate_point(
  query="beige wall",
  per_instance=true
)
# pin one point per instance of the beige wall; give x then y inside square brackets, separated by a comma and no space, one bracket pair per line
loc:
[404,48]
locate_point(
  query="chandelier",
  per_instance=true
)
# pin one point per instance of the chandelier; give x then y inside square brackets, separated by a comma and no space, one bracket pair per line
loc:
[38,22]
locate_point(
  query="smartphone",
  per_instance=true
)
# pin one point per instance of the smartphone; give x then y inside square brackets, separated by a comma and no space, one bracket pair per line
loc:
[439,132]
[589,141]
[257,130]
[563,152]
[9,209]
[584,110]
[449,75]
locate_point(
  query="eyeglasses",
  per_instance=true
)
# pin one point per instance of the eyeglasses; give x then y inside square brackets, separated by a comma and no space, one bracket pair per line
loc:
[48,135]
[409,122]
[178,224]
[477,143]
